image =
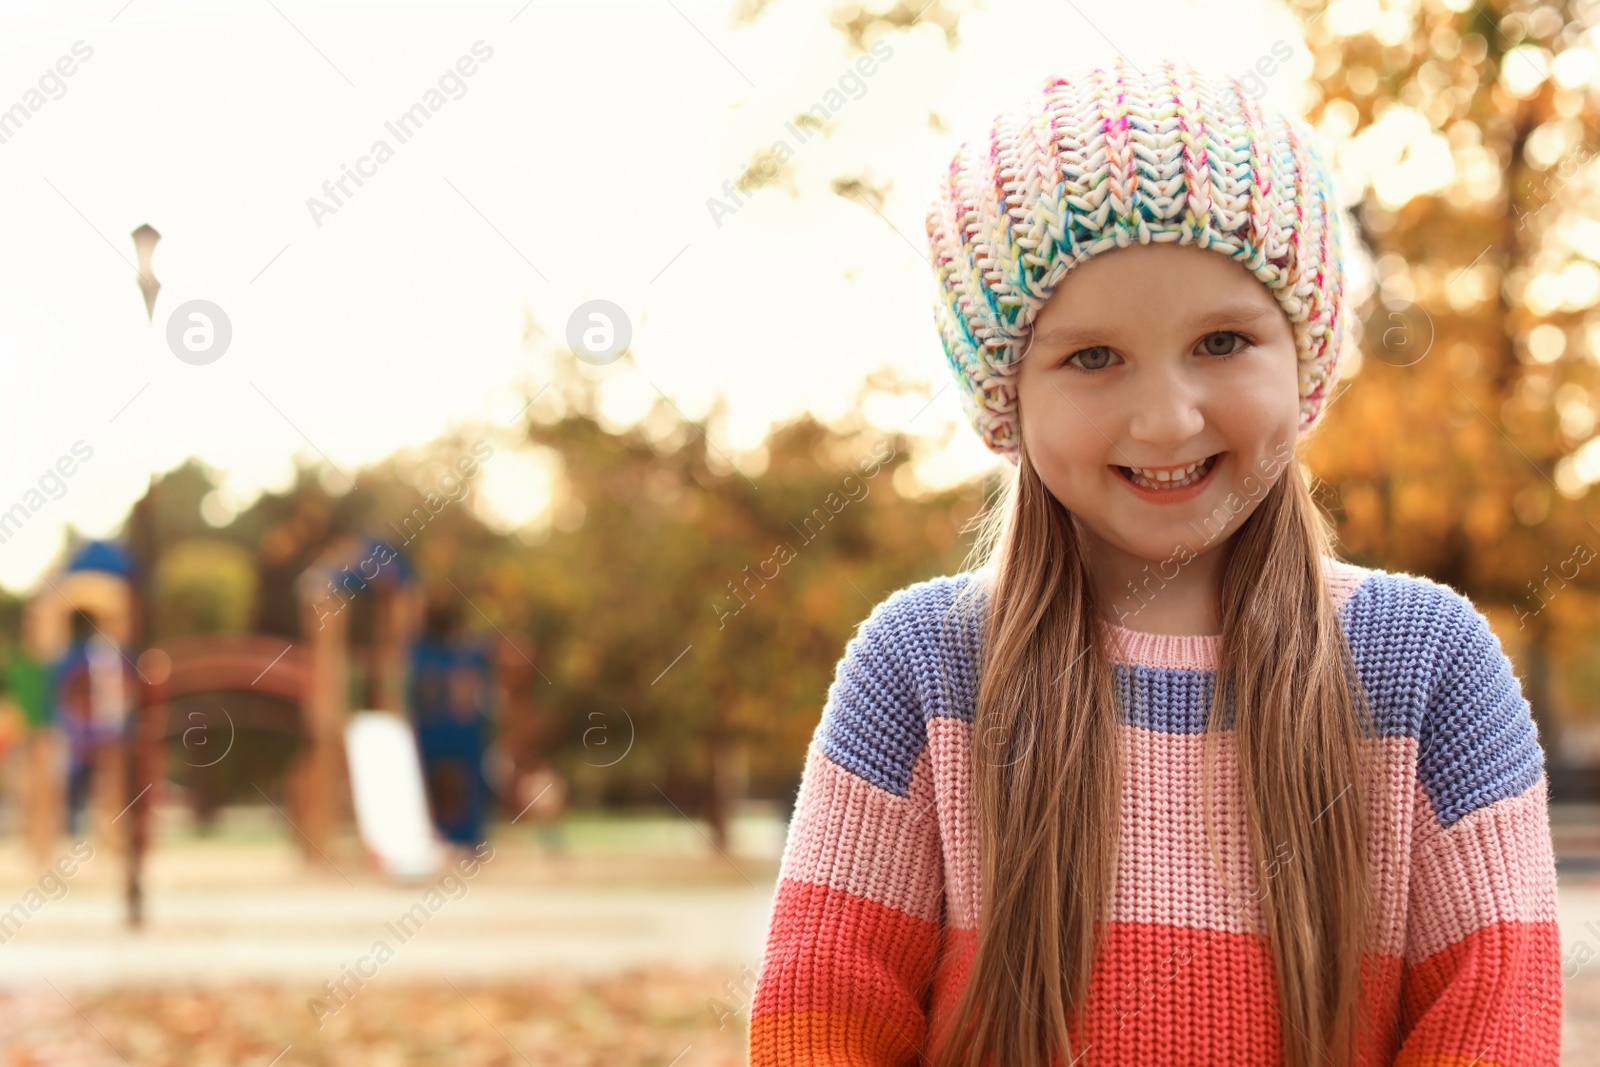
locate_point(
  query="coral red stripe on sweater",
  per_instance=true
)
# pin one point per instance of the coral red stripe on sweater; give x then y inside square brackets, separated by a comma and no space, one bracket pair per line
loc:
[1453,1002]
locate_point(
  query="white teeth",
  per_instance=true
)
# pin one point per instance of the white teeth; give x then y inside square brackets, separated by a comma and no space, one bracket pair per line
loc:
[1169,479]
[1166,475]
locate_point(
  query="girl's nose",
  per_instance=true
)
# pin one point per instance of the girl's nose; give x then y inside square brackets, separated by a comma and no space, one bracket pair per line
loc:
[1166,409]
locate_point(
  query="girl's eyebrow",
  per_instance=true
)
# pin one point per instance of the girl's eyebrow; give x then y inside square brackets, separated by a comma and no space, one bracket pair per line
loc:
[1234,315]
[1212,320]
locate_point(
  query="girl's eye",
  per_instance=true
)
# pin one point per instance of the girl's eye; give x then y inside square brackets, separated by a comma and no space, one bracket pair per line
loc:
[1096,358]
[1225,339]
[1222,343]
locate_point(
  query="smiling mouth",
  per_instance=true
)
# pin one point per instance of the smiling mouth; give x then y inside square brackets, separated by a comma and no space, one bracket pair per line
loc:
[1169,478]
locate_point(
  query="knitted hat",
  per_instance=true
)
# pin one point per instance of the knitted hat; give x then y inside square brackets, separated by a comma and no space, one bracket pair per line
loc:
[1110,158]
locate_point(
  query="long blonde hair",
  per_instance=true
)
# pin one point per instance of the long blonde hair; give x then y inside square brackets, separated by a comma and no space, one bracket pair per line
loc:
[1047,778]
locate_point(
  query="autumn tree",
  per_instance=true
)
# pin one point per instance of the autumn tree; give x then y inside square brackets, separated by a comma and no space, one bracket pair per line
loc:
[691,611]
[1465,448]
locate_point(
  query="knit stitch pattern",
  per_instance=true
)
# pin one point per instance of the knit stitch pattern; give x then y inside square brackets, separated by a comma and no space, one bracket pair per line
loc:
[1112,158]
[878,896]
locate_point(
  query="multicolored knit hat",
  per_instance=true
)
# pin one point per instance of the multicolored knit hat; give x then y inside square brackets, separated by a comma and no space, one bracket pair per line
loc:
[1111,158]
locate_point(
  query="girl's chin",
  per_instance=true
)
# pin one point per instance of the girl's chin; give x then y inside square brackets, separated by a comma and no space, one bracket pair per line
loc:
[1144,542]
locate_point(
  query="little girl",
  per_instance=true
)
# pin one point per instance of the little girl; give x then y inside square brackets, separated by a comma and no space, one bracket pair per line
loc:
[1161,780]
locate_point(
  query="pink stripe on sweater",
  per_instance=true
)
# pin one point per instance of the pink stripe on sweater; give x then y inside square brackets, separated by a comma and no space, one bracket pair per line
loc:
[1164,839]
[950,749]
[850,835]
[1489,867]
[1193,652]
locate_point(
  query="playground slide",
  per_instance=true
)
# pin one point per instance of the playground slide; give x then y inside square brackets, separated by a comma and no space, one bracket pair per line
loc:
[390,800]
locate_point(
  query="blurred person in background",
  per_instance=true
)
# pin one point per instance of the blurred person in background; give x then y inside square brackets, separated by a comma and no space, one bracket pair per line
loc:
[40,751]
[452,687]
[94,687]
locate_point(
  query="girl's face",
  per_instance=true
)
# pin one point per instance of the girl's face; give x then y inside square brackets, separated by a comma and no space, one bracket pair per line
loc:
[1144,362]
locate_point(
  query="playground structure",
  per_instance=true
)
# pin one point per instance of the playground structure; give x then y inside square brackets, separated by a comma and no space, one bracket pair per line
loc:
[338,607]
[192,666]
[361,611]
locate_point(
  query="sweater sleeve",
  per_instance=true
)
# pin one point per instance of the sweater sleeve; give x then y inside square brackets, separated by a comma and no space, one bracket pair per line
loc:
[855,926]
[1481,978]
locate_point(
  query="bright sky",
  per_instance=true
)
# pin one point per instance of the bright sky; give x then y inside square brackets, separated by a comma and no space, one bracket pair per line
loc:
[576,164]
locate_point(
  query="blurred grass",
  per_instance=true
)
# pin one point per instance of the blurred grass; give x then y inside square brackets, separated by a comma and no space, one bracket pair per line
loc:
[756,831]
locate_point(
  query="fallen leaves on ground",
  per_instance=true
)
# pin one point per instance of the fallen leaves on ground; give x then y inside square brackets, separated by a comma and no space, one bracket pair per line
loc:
[648,1018]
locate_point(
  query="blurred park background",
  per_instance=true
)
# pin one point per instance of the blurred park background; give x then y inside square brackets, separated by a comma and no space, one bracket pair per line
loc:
[607,578]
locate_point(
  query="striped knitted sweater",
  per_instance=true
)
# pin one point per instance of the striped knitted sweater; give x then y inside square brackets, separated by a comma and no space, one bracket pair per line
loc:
[873,928]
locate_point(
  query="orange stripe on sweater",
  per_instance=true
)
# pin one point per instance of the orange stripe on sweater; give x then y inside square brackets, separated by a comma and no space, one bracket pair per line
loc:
[827,1039]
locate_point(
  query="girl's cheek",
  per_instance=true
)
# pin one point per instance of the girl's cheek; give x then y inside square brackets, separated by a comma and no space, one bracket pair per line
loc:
[1073,475]
[1069,451]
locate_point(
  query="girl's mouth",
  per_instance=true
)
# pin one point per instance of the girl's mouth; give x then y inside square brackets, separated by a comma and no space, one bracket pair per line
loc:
[1171,484]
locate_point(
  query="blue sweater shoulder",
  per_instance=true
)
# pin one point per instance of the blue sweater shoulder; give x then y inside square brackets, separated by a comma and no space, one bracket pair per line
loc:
[1434,670]
[915,656]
